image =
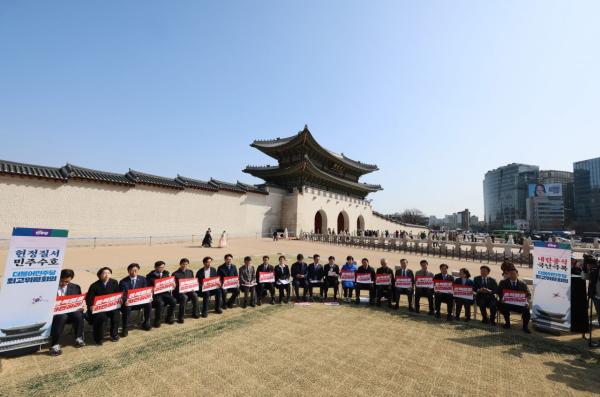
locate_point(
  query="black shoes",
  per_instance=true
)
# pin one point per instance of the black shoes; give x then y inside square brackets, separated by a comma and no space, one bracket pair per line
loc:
[114,338]
[124,333]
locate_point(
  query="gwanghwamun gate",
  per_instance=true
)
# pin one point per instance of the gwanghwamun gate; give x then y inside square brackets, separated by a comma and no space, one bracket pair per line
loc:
[311,189]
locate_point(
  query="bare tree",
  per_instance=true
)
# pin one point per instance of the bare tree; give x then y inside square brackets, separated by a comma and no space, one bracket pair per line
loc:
[411,215]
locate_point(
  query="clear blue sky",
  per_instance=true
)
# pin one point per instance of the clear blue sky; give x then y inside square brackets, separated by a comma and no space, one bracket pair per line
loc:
[434,92]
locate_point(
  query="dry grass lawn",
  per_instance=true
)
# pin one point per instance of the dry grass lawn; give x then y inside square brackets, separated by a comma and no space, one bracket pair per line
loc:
[292,351]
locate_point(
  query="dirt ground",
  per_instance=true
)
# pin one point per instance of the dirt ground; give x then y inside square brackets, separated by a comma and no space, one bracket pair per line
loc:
[86,260]
[292,350]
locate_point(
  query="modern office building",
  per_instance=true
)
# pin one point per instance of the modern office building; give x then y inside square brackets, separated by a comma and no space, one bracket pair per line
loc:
[550,201]
[505,192]
[586,192]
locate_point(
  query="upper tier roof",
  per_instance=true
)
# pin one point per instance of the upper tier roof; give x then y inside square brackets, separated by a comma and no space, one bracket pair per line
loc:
[272,147]
[307,166]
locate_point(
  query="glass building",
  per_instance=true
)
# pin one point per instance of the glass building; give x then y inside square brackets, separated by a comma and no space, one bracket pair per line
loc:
[505,191]
[586,192]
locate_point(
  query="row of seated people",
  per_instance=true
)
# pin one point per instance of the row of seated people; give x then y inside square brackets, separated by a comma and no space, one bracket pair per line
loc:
[488,294]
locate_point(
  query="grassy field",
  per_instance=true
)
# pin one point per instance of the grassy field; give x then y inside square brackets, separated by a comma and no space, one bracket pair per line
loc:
[290,350]
[315,350]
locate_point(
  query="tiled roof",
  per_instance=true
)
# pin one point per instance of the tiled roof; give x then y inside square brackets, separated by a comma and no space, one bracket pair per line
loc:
[73,171]
[131,178]
[35,171]
[251,188]
[226,186]
[149,179]
[195,183]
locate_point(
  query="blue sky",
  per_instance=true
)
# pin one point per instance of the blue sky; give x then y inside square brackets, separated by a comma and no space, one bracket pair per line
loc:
[434,92]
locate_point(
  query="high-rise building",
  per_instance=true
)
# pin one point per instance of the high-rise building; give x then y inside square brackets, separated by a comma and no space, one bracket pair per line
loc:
[505,191]
[464,219]
[586,192]
[550,201]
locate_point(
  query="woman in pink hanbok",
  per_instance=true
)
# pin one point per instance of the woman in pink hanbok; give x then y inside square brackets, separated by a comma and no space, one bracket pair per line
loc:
[223,240]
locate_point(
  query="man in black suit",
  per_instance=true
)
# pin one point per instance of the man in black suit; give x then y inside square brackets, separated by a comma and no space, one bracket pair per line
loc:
[133,281]
[514,284]
[332,278]
[206,272]
[184,272]
[162,299]
[485,288]
[282,279]
[263,288]
[299,276]
[427,292]
[104,286]
[367,269]
[404,272]
[592,273]
[444,297]
[66,288]
[228,269]
[315,274]
[384,290]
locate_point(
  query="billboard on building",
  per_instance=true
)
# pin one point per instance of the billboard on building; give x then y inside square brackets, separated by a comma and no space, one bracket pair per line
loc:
[545,190]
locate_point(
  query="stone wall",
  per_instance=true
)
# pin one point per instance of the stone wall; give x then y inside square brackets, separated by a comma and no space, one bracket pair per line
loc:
[107,211]
[89,209]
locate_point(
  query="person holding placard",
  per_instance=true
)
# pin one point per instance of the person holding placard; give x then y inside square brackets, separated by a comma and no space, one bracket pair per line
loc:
[262,287]
[348,276]
[299,279]
[282,279]
[203,275]
[104,286]
[66,288]
[248,281]
[384,283]
[443,291]
[183,297]
[228,269]
[463,295]
[404,284]
[332,278]
[315,274]
[485,288]
[514,296]
[133,281]
[424,287]
[161,299]
[365,278]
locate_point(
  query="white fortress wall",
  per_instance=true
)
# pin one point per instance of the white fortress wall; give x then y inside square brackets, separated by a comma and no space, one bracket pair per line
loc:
[313,200]
[89,209]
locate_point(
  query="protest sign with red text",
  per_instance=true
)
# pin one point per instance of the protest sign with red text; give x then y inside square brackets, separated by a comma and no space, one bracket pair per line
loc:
[266,277]
[463,292]
[107,303]
[69,304]
[188,285]
[403,282]
[230,282]
[517,298]
[442,286]
[383,279]
[164,284]
[139,296]
[210,283]
[424,282]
